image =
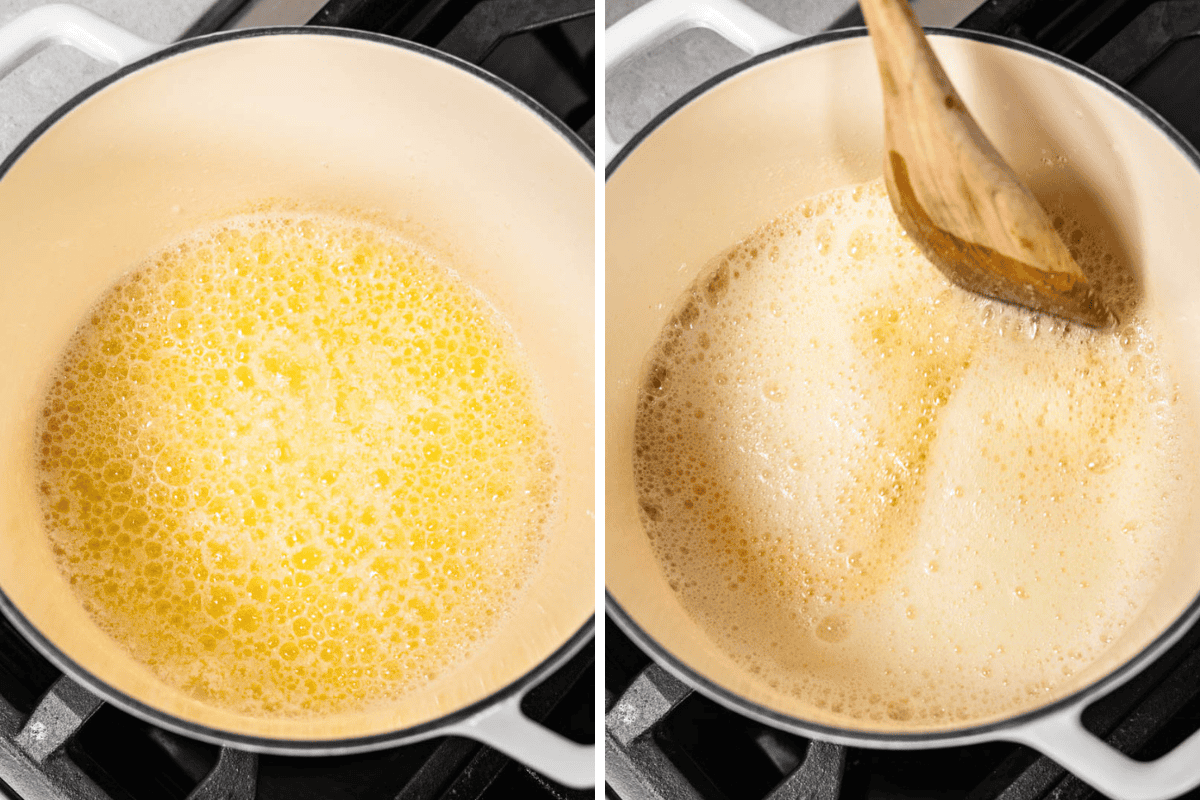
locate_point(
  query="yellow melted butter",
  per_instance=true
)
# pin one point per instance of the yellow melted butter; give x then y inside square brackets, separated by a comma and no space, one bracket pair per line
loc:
[295,466]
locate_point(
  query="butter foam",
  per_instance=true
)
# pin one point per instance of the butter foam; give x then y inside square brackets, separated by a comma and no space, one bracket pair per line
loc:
[891,499]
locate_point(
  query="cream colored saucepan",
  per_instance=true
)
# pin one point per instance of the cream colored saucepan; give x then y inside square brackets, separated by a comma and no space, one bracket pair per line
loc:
[803,117]
[181,135]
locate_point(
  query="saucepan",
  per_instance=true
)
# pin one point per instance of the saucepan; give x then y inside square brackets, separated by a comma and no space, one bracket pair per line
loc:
[801,117]
[183,134]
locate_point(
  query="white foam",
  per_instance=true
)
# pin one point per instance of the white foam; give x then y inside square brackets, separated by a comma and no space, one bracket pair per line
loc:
[890,498]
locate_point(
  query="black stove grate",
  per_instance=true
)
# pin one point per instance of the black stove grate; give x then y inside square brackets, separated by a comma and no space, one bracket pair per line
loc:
[1075,29]
[665,742]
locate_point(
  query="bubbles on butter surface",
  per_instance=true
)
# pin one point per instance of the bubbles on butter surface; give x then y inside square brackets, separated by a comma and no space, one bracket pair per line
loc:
[893,500]
[296,466]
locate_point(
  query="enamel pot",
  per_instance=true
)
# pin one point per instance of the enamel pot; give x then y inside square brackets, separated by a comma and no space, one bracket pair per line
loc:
[182,134]
[801,117]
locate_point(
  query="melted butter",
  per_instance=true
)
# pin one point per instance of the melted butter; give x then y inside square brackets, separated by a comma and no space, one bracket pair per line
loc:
[895,501]
[919,357]
[296,466]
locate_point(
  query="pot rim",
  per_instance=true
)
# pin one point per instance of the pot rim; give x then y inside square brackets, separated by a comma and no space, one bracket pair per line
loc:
[1007,727]
[185,45]
[305,747]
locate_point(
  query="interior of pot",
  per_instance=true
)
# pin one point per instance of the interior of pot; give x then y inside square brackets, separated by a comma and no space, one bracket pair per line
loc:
[810,121]
[330,122]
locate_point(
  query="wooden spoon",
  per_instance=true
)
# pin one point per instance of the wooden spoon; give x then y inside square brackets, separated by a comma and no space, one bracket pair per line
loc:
[961,204]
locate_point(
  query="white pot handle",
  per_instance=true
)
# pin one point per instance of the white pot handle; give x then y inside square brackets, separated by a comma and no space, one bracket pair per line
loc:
[60,23]
[1062,737]
[505,728]
[659,20]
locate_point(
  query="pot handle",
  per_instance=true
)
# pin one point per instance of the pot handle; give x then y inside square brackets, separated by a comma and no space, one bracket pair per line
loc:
[1062,737]
[505,728]
[60,23]
[659,20]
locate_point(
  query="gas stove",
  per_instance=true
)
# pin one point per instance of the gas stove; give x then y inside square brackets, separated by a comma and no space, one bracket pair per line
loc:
[59,742]
[667,742]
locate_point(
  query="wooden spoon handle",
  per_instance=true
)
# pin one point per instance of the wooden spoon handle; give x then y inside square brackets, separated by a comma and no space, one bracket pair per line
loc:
[953,191]
[925,117]
[901,47]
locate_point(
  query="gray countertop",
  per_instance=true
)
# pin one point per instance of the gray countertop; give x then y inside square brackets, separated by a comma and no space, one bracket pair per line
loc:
[51,77]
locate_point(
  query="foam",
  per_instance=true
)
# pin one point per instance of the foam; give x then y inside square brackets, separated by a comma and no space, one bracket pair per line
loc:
[296,466]
[896,501]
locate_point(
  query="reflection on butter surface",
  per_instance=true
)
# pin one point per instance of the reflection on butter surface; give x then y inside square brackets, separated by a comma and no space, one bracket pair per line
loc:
[296,466]
[890,498]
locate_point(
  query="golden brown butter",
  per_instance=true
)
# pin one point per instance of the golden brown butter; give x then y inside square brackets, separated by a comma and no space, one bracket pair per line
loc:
[894,500]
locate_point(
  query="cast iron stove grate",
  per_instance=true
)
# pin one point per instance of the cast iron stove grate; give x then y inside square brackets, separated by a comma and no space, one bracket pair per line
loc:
[59,742]
[666,742]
